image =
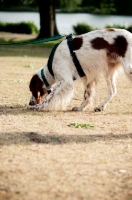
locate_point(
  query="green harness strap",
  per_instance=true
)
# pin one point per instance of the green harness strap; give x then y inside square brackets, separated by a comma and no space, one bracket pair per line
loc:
[50,60]
[44,78]
[49,66]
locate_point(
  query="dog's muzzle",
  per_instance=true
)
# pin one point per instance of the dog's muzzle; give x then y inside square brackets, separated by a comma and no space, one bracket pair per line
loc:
[49,91]
[33,101]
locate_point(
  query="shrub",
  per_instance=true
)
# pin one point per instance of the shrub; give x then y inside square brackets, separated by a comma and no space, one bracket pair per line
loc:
[81,28]
[22,27]
[129,28]
[115,26]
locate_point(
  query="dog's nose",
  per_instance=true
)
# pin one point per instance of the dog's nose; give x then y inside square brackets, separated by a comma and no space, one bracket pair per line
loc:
[31,103]
[49,91]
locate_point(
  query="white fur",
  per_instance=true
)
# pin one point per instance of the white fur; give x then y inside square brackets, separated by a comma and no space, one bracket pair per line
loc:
[94,62]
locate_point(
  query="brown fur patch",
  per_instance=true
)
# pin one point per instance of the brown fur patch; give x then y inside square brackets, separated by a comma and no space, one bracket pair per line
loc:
[77,43]
[118,47]
[36,86]
[112,58]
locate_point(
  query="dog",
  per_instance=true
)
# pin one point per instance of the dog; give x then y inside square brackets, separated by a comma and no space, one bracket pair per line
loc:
[82,57]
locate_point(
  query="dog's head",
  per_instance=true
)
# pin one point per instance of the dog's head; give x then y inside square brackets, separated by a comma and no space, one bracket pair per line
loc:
[39,92]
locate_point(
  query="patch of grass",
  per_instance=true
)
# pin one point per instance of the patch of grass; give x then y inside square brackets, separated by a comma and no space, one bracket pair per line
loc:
[79,125]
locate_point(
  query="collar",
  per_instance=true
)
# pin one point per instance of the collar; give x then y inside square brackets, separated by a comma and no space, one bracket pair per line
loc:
[44,78]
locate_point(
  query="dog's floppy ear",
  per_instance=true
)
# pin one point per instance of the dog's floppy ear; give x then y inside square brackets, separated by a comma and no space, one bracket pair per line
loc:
[35,81]
[36,86]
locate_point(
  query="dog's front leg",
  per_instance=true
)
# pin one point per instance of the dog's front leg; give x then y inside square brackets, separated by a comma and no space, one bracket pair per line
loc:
[88,96]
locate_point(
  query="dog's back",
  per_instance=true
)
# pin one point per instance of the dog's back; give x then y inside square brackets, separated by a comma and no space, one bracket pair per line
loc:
[97,50]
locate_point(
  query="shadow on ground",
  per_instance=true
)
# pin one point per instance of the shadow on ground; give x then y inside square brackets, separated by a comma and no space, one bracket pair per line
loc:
[7,139]
[20,110]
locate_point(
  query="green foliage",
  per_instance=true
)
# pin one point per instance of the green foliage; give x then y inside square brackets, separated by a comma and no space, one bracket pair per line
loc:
[12,3]
[81,28]
[107,7]
[129,28]
[69,3]
[92,6]
[123,7]
[78,125]
[22,27]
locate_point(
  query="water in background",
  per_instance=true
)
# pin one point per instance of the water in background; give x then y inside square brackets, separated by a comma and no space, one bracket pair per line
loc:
[66,21]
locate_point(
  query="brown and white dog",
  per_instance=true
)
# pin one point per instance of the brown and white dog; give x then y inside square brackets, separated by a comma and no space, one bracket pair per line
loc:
[100,51]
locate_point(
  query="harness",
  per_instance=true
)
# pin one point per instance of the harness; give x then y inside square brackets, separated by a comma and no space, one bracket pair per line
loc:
[49,64]
[74,59]
[44,78]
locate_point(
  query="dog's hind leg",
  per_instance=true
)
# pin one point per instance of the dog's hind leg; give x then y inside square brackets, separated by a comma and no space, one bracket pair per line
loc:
[111,83]
[88,96]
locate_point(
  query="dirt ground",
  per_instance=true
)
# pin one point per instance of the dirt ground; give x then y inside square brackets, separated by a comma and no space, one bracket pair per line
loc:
[42,158]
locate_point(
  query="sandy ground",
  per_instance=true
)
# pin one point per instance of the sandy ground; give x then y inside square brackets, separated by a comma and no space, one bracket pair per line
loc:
[42,158]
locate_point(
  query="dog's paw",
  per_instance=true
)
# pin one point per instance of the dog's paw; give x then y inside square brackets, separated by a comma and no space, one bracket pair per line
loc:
[75,109]
[99,109]
[33,107]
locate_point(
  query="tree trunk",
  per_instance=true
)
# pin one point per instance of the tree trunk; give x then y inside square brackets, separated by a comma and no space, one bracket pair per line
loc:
[47,19]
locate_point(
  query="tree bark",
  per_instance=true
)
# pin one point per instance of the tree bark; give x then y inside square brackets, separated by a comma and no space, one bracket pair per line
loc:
[47,18]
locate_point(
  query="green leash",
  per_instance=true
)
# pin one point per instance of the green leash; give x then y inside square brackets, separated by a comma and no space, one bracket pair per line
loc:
[57,37]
